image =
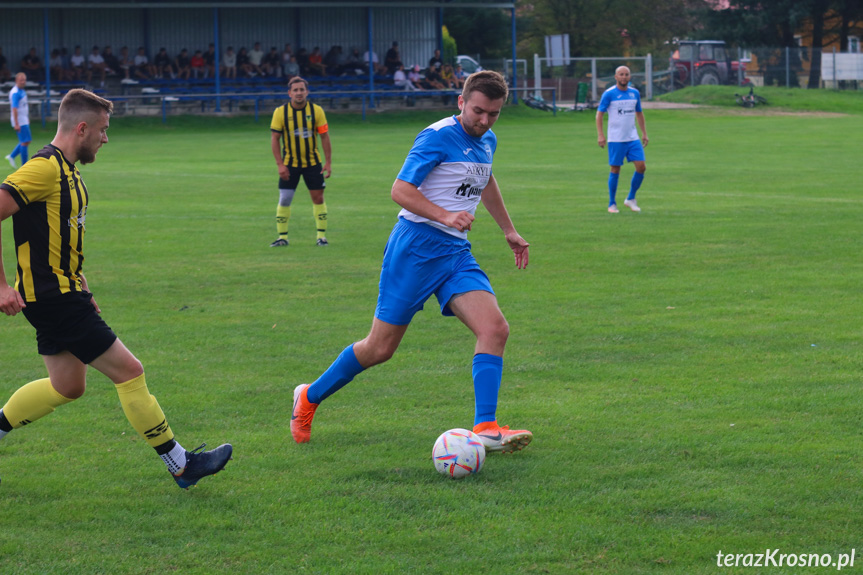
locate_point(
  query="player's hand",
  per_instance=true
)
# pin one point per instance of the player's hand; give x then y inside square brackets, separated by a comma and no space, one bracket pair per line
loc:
[11,301]
[283,172]
[461,221]
[327,170]
[601,141]
[520,248]
[644,141]
[95,305]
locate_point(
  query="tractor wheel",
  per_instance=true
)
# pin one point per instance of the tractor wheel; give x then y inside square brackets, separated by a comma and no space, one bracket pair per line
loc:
[708,77]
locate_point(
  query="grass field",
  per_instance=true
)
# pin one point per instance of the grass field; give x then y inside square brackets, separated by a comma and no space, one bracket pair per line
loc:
[691,373]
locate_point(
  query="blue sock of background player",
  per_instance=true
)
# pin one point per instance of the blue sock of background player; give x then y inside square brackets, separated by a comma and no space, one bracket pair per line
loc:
[637,178]
[612,187]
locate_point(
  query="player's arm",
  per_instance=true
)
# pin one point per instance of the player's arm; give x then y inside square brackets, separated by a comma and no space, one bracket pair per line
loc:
[600,132]
[11,301]
[493,202]
[639,118]
[328,153]
[412,199]
[275,144]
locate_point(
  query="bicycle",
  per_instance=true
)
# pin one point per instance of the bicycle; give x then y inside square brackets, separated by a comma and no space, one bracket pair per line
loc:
[751,100]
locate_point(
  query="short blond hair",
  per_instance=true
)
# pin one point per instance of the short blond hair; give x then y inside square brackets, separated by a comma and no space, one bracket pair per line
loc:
[80,105]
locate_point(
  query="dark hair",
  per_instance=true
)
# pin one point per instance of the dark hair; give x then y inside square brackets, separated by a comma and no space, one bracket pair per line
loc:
[297,80]
[488,82]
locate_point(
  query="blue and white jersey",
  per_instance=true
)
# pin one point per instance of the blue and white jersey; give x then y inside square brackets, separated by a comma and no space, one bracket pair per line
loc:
[18,99]
[621,106]
[450,167]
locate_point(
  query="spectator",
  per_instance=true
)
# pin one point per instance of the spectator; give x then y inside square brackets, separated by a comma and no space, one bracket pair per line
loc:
[331,60]
[4,68]
[31,65]
[377,68]
[96,64]
[316,62]
[127,63]
[198,65]
[256,55]
[460,74]
[448,76]
[353,62]
[303,61]
[286,55]
[292,69]
[55,66]
[229,64]
[415,78]
[401,81]
[183,65]
[112,63]
[143,69]
[161,67]
[243,65]
[434,79]
[393,59]
[272,63]
[435,62]
[77,62]
[210,61]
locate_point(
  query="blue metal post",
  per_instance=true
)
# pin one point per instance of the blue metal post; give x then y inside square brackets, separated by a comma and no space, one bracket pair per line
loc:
[514,64]
[47,62]
[217,61]
[370,63]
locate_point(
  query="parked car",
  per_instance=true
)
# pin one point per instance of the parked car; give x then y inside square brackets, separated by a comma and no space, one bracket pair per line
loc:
[468,64]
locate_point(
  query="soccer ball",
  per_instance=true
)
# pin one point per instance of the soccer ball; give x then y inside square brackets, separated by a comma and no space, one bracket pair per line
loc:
[458,453]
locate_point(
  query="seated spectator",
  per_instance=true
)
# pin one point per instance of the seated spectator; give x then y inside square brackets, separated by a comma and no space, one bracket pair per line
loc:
[377,67]
[244,68]
[448,78]
[210,61]
[96,65]
[55,67]
[31,65]
[198,65]
[392,59]
[286,55]
[256,55]
[433,79]
[183,65]
[77,64]
[229,63]
[316,62]
[143,69]
[4,68]
[272,63]
[303,61]
[400,79]
[292,69]
[415,78]
[112,63]
[460,74]
[127,63]
[353,62]
[161,67]
[435,61]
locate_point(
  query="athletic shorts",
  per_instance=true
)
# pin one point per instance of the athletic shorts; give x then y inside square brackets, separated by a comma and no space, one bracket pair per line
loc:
[314,178]
[24,135]
[69,322]
[632,151]
[421,260]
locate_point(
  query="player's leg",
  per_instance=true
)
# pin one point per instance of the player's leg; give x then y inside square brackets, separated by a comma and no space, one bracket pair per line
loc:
[479,311]
[636,156]
[316,184]
[616,154]
[147,418]
[287,188]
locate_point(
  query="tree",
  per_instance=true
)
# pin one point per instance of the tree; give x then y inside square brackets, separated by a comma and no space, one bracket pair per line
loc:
[486,32]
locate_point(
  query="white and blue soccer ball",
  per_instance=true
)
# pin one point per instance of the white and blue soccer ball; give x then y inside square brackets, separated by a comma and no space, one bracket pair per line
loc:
[458,453]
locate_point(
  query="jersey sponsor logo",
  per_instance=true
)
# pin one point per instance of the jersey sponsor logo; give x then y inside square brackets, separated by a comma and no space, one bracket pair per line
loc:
[79,220]
[625,112]
[477,170]
[469,189]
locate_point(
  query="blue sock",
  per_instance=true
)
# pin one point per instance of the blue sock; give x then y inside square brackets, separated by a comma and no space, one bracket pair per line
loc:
[338,375]
[637,178]
[612,187]
[24,156]
[487,373]
[16,151]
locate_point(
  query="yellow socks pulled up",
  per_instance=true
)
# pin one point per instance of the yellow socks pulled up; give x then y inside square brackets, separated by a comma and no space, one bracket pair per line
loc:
[143,412]
[33,401]
[320,213]
[283,216]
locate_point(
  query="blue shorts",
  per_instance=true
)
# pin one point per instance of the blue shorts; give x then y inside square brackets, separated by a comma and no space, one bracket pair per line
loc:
[421,260]
[632,151]
[24,136]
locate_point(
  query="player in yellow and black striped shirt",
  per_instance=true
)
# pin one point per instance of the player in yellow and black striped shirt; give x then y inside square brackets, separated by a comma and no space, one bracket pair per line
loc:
[47,200]
[294,132]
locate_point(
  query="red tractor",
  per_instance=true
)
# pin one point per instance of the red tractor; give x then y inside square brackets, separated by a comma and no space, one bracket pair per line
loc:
[698,62]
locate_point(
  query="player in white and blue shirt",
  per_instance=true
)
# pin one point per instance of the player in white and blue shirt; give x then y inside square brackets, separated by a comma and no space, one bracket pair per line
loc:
[20,118]
[448,171]
[623,105]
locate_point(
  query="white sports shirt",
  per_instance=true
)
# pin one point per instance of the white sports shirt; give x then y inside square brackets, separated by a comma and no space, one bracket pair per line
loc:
[18,99]
[450,167]
[621,107]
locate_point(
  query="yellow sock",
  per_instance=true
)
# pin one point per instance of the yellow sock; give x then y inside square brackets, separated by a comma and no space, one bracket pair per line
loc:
[283,214]
[143,412]
[320,212]
[32,401]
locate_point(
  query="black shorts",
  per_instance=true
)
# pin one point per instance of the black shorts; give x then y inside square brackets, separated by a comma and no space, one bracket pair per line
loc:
[69,322]
[313,176]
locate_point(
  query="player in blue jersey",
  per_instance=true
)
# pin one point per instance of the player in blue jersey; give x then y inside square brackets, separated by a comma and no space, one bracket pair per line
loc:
[623,105]
[446,174]
[20,116]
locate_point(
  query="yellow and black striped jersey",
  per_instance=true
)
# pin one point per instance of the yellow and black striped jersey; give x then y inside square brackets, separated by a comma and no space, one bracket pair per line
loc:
[299,130]
[49,226]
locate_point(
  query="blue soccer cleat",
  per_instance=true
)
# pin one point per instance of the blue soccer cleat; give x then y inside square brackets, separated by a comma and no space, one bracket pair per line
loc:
[200,464]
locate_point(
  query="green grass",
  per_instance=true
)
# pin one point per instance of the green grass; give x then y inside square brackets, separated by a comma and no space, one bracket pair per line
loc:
[691,373]
[789,99]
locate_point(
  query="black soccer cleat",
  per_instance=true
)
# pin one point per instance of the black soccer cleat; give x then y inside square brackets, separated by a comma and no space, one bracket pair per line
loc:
[322,242]
[200,464]
[280,243]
